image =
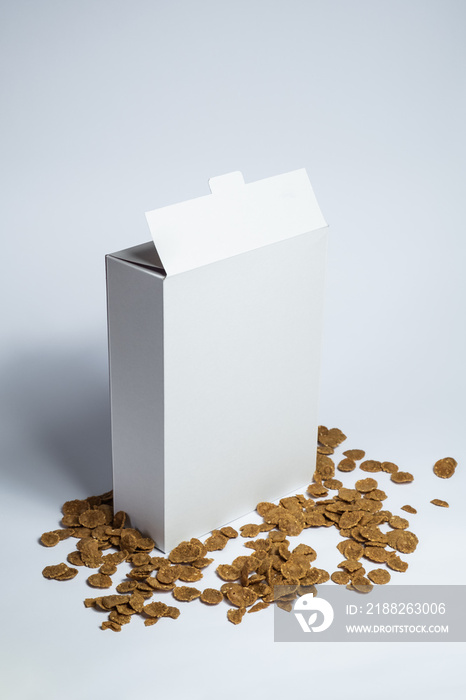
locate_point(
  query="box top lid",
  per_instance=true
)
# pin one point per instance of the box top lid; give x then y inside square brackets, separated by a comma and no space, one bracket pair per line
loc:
[233,219]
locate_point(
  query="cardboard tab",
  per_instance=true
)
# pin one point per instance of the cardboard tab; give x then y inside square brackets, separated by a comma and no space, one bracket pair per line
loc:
[224,184]
[234,219]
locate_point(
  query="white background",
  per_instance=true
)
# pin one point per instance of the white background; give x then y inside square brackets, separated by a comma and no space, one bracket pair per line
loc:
[112,108]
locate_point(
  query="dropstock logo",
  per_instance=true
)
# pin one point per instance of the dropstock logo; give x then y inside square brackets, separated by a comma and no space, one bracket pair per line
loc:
[308,610]
[394,613]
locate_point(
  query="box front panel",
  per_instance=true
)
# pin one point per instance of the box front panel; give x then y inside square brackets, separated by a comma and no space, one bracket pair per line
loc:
[242,360]
[135,330]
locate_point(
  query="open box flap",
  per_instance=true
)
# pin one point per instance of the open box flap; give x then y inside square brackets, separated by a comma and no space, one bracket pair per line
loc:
[233,219]
[144,255]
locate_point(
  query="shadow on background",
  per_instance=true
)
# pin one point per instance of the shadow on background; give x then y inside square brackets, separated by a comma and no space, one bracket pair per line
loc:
[57,413]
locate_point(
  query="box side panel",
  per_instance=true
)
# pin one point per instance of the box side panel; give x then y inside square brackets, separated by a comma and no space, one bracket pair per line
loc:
[135,332]
[242,360]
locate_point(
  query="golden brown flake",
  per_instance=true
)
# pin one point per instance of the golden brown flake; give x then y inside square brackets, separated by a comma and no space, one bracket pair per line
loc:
[355,454]
[143,586]
[317,490]
[292,503]
[75,507]
[395,563]
[159,562]
[240,596]
[229,532]
[202,562]
[140,573]
[167,574]
[332,437]
[216,541]
[136,601]
[290,525]
[325,467]
[365,485]
[438,502]
[189,573]
[323,576]
[346,465]
[375,554]
[333,484]
[229,572]
[108,568]
[115,558]
[373,534]
[140,559]
[409,509]
[67,575]
[369,504]
[111,601]
[293,569]
[340,577]
[398,523]
[348,495]
[185,593]
[172,612]
[156,609]
[75,558]
[350,565]
[107,510]
[445,468]
[402,540]
[90,553]
[59,572]
[210,596]
[119,519]
[371,465]
[379,576]
[115,616]
[146,544]
[148,622]
[158,586]
[250,530]
[361,584]
[99,581]
[314,519]
[350,518]
[350,549]
[401,477]
[50,539]
[389,467]
[125,610]
[110,625]
[126,586]
[128,542]
[92,518]
[376,495]
[100,532]
[235,615]
[305,550]
[325,450]
[264,507]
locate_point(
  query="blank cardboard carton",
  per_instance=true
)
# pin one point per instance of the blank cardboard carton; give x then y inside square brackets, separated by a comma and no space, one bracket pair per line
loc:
[215,334]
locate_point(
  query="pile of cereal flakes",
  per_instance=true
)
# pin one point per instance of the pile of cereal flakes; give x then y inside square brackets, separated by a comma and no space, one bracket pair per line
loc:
[272,572]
